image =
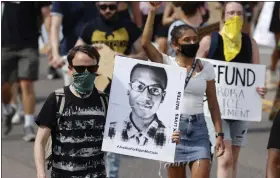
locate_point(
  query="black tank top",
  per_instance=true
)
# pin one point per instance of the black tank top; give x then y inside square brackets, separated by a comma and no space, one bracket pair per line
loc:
[244,56]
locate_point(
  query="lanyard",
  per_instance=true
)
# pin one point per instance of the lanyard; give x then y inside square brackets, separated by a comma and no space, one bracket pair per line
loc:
[191,72]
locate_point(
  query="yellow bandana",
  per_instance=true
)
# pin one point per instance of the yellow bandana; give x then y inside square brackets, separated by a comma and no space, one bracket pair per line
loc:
[231,33]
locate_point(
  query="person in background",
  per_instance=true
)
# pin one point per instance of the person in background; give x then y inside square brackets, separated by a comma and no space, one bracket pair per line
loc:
[248,16]
[21,22]
[194,148]
[272,76]
[71,16]
[160,31]
[193,14]
[122,36]
[245,50]
[125,8]
[273,160]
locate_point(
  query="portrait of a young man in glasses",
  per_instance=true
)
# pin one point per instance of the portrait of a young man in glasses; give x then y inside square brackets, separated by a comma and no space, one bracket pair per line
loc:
[146,92]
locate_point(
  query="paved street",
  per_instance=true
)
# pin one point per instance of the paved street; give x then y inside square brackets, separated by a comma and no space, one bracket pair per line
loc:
[17,155]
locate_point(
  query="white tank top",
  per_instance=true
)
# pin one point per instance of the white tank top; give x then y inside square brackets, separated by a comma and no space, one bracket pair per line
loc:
[192,102]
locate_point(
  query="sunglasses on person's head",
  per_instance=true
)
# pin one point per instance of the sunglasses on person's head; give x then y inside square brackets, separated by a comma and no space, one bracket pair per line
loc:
[91,69]
[111,7]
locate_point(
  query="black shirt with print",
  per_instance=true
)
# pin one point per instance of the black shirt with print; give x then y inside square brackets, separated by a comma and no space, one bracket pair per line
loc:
[119,35]
[77,139]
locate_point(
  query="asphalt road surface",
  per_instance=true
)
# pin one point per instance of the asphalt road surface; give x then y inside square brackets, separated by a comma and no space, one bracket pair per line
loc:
[17,155]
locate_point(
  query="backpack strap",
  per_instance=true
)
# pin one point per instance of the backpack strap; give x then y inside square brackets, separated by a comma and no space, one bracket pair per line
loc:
[60,102]
[213,44]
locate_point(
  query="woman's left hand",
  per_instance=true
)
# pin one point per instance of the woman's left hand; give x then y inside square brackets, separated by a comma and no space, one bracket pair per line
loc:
[262,91]
[220,147]
[176,137]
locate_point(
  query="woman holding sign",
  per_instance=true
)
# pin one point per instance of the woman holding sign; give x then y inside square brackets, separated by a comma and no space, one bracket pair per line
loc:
[231,45]
[194,146]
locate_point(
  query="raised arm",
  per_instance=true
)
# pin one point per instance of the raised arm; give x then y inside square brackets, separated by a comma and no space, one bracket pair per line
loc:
[153,54]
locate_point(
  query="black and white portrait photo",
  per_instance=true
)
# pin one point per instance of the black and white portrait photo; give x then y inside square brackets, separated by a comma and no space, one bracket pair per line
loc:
[146,91]
[142,108]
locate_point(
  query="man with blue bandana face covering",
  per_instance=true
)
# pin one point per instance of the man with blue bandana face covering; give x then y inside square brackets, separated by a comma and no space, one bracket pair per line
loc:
[75,115]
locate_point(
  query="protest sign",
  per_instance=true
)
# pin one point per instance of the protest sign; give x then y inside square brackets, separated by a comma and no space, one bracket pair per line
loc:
[143,109]
[236,85]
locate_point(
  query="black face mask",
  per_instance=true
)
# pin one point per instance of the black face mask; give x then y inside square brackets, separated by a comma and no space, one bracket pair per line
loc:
[189,50]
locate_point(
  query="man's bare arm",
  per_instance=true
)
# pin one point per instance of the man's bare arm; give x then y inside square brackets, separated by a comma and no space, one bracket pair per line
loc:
[43,134]
[46,13]
[55,29]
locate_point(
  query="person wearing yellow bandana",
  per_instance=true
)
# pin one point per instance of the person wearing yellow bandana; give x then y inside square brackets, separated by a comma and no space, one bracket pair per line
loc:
[232,37]
[231,45]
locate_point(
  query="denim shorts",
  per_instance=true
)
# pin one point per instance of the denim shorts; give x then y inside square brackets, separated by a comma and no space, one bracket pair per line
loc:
[194,143]
[235,131]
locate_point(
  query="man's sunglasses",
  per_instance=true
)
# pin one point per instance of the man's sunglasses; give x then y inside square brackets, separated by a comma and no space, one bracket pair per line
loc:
[111,7]
[91,69]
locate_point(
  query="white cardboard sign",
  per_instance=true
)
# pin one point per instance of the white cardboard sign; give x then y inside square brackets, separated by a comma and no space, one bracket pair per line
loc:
[236,85]
[143,109]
